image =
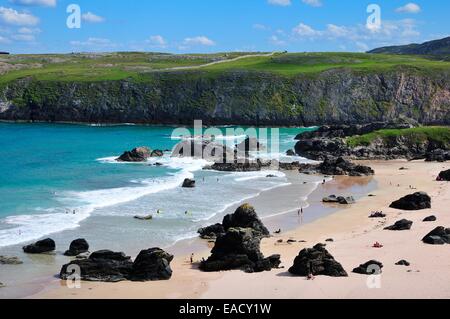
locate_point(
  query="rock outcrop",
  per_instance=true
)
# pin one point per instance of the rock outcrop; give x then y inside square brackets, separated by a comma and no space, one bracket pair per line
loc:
[337,166]
[239,248]
[416,201]
[244,217]
[339,200]
[139,154]
[109,266]
[317,261]
[401,225]
[250,144]
[188,183]
[438,236]
[438,155]
[40,247]
[78,246]
[205,149]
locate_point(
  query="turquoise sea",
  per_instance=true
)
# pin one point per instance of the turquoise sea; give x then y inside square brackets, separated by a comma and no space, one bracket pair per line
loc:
[50,170]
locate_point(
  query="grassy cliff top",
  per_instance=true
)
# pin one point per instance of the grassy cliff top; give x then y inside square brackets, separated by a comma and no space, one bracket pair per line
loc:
[437,134]
[139,66]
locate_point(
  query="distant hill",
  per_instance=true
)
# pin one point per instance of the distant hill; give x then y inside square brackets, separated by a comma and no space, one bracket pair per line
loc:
[436,47]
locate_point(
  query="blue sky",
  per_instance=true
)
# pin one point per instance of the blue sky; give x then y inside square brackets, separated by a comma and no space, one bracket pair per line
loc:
[181,26]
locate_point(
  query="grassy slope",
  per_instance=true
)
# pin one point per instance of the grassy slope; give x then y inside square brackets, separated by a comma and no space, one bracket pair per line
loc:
[436,134]
[140,66]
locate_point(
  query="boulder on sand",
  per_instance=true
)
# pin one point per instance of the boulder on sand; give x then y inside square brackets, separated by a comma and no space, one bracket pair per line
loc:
[444,176]
[401,225]
[103,265]
[403,263]
[245,217]
[78,246]
[377,215]
[317,261]
[139,154]
[439,236]
[42,246]
[239,248]
[371,267]
[416,201]
[188,183]
[339,200]
[430,219]
[151,264]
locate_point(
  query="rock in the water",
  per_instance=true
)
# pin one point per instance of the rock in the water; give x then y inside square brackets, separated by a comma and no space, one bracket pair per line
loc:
[239,248]
[78,246]
[204,149]
[245,217]
[211,232]
[341,200]
[139,154]
[250,144]
[148,217]
[371,267]
[157,153]
[188,183]
[4,260]
[444,176]
[439,236]
[152,264]
[290,153]
[103,265]
[317,261]
[401,225]
[430,219]
[416,201]
[403,263]
[42,246]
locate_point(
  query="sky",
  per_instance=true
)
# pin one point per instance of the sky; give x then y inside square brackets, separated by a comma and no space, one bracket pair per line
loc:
[204,26]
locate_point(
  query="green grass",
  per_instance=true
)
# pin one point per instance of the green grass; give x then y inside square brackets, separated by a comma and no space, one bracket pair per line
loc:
[436,134]
[138,66]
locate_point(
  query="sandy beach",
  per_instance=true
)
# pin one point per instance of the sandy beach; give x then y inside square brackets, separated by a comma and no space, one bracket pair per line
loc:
[353,234]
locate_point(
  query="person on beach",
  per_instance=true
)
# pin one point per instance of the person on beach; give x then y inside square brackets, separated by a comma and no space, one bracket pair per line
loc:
[192,258]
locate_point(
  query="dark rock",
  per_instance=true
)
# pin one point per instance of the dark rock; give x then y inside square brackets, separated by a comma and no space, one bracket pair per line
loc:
[340,200]
[317,261]
[2,285]
[236,166]
[139,154]
[330,199]
[438,155]
[338,166]
[205,149]
[401,225]
[157,153]
[430,219]
[245,217]
[211,232]
[103,265]
[42,246]
[239,248]
[330,240]
[371,267]
[271,176]
[250,144]
[444,176]
[439,236]
[152,264]
[416,201]
[10,260]
[290,153]
[78,246]
[188,183]
[377,215]
[148,217]
[403,263]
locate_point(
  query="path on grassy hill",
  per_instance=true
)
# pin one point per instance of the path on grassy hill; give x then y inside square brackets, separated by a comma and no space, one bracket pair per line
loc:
[218,62]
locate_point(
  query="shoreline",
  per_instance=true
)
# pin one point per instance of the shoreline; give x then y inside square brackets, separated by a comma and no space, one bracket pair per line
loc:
[353,233]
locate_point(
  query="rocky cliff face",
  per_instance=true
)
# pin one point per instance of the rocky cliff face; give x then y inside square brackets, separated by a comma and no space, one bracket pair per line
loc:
[337,96]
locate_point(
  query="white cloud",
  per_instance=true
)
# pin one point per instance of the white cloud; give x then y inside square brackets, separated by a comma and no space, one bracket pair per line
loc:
[200,40]
[259,26]
[12,17]
[94,44]
[277,41]
[304,30]
[157,41]
[25,30]
[92,18]
[313,3]
[4,40]
[41,3]
[283,3]
[409,8]
[24,37]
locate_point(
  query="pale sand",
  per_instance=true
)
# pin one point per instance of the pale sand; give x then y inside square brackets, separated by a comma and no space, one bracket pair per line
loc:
[353,233]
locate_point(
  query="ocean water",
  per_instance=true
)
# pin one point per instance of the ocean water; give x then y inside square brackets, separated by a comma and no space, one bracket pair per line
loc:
[48,171]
